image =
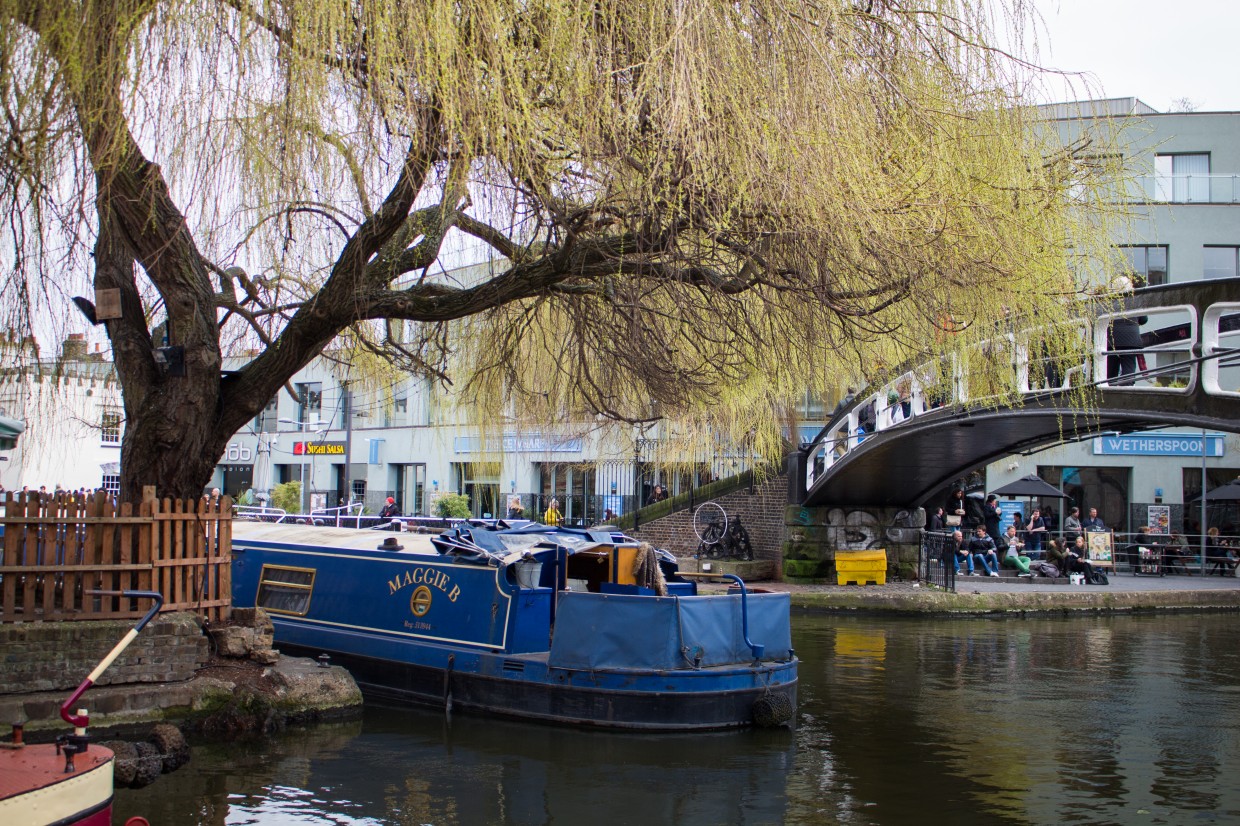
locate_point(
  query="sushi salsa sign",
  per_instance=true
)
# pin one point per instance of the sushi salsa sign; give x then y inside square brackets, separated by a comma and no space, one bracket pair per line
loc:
[318,448]
[421,584]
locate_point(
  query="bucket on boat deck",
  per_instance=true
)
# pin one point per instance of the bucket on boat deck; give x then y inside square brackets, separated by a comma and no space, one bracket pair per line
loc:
[528,574]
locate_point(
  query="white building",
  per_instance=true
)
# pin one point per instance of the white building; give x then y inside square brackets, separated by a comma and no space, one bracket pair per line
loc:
[72,412]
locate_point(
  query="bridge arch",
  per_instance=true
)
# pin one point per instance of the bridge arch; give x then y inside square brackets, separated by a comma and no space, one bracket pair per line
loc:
[1186,372]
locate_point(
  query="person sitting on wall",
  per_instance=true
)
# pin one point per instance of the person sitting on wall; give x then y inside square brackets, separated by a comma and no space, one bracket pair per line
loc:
[1009,548]
[982,549]
[957,552]
[389,509]
[1074,560]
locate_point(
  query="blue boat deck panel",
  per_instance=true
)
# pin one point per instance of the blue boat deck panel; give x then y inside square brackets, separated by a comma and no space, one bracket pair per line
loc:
[609,631]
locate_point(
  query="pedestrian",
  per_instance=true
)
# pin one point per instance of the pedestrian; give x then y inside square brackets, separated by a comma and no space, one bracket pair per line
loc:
[1072,526]
[955,508]
[552,515]
[1123,337]
[993,515]
[389,509]
[658,495]
[1094,523]
[1035,531]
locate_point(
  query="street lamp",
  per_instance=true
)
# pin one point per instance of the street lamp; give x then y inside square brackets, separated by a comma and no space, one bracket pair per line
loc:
[301,426]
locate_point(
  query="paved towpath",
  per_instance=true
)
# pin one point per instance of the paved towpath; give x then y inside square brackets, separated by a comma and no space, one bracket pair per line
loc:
[989,595]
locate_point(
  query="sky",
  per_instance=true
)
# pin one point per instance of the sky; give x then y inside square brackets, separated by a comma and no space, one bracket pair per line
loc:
[1156,51]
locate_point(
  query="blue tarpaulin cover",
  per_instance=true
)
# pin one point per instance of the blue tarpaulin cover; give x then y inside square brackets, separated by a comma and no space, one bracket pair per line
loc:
[613,631]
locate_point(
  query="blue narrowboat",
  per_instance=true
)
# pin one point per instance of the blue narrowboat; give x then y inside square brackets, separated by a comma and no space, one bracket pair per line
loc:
[581,627]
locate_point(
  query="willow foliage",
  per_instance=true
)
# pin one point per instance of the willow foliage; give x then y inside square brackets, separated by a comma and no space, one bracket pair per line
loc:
[690,210]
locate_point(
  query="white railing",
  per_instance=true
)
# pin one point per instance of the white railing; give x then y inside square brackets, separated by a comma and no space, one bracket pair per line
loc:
[1168,367]
[260,513]
[347,516]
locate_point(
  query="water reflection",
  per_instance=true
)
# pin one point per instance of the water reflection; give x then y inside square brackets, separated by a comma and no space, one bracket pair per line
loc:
[1123,720]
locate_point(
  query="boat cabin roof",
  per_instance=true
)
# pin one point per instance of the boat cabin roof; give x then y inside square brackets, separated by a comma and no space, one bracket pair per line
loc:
[337,538]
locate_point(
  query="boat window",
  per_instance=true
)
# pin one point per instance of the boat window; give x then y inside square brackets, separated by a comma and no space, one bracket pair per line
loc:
[284,590]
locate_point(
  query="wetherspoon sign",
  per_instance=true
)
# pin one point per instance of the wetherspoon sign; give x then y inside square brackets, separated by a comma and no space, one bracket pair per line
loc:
[1159,444]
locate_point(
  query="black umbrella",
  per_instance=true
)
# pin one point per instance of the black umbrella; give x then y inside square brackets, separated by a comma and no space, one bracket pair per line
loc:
[1031,486]
[1229,492]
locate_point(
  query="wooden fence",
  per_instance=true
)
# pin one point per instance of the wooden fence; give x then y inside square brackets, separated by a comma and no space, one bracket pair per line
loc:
[59,548]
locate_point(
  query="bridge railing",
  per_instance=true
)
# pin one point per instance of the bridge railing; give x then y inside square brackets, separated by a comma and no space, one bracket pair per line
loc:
[1179,347]
[1220,349]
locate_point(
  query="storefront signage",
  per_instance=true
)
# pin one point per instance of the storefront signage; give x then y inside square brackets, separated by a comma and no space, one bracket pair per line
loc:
[517,444]
[318,448]
[1158,444]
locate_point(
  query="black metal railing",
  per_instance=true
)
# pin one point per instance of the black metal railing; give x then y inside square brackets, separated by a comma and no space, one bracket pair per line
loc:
[1175,554]
[934,569]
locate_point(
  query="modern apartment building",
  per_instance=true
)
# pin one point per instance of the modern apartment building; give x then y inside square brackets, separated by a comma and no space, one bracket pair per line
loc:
[1181,191]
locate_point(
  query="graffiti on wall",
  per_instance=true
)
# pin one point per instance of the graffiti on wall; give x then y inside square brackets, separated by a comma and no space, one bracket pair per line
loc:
[861,530]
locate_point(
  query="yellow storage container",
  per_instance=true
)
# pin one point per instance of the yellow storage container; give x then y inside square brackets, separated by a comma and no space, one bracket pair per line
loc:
[861,567]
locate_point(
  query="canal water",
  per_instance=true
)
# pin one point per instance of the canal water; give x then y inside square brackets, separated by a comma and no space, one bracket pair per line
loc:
[1122,720]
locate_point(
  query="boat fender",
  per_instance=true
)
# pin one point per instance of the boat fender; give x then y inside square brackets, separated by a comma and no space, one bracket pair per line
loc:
[772,710]
[447,685]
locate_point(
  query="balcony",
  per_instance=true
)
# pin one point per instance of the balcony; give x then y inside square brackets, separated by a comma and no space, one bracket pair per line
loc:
[1185,189]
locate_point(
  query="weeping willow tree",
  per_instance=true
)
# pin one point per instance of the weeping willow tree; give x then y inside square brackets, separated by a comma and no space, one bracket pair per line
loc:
[688,210]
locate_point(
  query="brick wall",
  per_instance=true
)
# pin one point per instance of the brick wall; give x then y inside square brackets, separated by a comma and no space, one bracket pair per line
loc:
[762,514]
[57,656]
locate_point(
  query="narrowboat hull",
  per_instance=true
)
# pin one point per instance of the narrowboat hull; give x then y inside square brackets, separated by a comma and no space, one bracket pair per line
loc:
[419,627]
[35,790]
[657,701]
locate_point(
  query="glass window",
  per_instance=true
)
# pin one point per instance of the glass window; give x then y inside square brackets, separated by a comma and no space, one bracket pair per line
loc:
[1104,488]
[110,427]
[111,482]
[285,590]
[1220,262]
[266,421]
[310,407]
[1148,262]
[1182,178]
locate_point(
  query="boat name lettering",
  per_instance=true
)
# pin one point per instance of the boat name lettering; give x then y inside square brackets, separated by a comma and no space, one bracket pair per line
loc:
[425,576]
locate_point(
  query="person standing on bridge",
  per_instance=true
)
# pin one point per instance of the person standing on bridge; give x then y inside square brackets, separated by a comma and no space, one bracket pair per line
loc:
[1124,334]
